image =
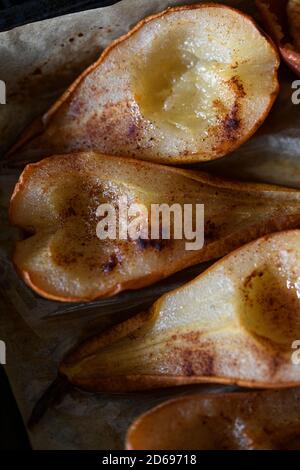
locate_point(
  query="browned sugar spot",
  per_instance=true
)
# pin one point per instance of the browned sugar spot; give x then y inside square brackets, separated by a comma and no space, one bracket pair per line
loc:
[195,362]
[256,273]
[210,230]
[111,264]
[189,352]
[68,212]
[237,87]
[66,259]
[191,336]
[118,124]
[232,122]
[219,106]
[132,130]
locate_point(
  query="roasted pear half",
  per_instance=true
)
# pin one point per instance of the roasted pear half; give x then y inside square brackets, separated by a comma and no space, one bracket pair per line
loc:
[234,324]
[56,202]
[268,420]
[282,20]
[189,84]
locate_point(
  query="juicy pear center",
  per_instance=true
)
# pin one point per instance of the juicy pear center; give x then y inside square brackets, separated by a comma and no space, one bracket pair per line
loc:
[270,305]
[182,87]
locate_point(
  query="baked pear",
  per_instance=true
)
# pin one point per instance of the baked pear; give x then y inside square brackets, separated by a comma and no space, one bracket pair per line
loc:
[268,420]
[188,84]
[282,20]
[236,323]
[56,200]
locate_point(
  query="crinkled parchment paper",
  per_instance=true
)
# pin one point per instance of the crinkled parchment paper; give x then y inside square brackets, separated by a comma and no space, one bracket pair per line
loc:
[37,62]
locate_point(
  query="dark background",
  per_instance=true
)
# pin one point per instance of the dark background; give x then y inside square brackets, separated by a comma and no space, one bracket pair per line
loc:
[15,13]
[18,12]
[12,432]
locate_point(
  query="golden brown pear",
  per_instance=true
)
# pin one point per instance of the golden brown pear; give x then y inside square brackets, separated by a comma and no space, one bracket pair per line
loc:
[268,420]
[188,84]
[56,200]
[236,323]
[282,21]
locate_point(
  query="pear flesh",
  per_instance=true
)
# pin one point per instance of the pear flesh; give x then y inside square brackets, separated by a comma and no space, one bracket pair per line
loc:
[188,84]
[234,324]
